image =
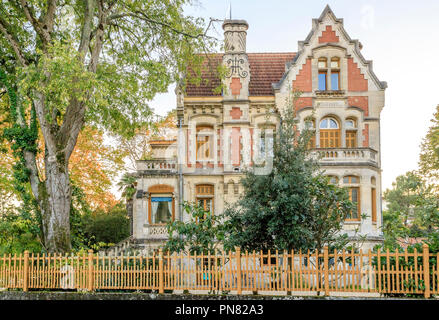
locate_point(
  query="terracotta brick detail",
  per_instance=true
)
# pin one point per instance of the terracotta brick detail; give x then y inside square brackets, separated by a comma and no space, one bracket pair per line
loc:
[303,80]
[219,148]
[361,102]
[236,146]
[236,86]
[187,149]
[303,102]
[366,135]
[356,80]
[236,113]
[328,35]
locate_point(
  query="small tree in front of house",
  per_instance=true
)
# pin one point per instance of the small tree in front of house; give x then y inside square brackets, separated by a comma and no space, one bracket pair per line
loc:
[202,234]
[292,207]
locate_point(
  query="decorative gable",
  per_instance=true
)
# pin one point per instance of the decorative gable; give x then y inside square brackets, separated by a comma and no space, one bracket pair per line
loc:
[328,33]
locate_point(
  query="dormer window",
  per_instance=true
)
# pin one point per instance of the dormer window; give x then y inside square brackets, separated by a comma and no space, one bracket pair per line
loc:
[322,63]
[329,75]
[335,63]
[335,74]
[323,74]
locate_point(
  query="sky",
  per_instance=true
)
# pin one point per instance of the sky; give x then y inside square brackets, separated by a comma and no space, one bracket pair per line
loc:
[400,36]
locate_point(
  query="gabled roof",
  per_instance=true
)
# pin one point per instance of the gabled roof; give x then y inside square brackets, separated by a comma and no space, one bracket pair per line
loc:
[355,42]
[265,69]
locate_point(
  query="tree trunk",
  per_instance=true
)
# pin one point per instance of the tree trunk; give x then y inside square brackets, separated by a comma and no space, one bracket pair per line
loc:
[129,208]
[55,201]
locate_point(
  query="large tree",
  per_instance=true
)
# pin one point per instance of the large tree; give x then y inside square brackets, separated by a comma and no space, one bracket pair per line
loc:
[429,156]
[65,63]
[412,209]
[293,206]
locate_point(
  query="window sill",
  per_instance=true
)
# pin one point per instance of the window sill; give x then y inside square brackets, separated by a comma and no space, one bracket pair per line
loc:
[330,92]
[155,225]
[352,221]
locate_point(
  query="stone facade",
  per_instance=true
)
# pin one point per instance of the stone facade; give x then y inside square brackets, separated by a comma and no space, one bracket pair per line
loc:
[220,134]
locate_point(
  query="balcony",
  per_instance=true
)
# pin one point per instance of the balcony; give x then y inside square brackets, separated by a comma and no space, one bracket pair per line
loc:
[156,232]
[157,166]
[346,156]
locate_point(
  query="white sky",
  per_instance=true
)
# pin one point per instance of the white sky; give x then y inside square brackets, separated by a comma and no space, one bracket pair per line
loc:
[400,36]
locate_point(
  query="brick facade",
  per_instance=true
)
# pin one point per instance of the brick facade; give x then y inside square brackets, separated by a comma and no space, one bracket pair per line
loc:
[356,80]
[328,35]
[303,80]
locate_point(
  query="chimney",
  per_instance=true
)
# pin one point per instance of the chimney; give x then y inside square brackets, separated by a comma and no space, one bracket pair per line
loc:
[235,36]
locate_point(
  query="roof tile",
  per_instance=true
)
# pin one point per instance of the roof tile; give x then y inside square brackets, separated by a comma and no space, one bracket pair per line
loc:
[265,69]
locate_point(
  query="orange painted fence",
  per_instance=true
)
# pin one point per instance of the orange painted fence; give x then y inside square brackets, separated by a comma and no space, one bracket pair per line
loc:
[326,272]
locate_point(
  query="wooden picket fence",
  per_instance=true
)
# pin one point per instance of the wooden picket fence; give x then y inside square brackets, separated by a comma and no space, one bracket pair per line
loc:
[248,272]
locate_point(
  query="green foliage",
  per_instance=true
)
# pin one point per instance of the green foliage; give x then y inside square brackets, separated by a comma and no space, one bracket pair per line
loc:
[127,185]
[429,157]
[293,206]
[22,138]
[105,228]
[69,63]
[408,283]
[16,233]
[412,209]
[203,233]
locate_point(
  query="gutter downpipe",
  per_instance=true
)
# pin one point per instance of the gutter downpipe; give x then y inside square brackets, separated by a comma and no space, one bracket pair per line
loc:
[180,167]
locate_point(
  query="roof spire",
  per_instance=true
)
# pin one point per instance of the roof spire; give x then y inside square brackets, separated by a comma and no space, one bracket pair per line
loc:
[230,10]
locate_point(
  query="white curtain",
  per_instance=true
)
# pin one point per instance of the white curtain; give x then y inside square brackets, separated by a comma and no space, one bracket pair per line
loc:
[154,206]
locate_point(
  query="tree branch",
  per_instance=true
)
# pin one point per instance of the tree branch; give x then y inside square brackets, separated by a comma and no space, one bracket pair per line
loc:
[86,28]
[48,18]
[13,41]
[142,16]
[29,12]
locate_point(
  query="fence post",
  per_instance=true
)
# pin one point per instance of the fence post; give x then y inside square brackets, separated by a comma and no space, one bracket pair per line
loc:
[90,270]
[26,271]
[238,269]
[161,288]
[426,266]
[326,269]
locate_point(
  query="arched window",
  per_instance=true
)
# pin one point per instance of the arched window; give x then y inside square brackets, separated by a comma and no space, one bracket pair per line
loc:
[352,184]
[266,141]
[310,124]
[204,143]
[351,133]
[329,133]
[204,194]
[333,179]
